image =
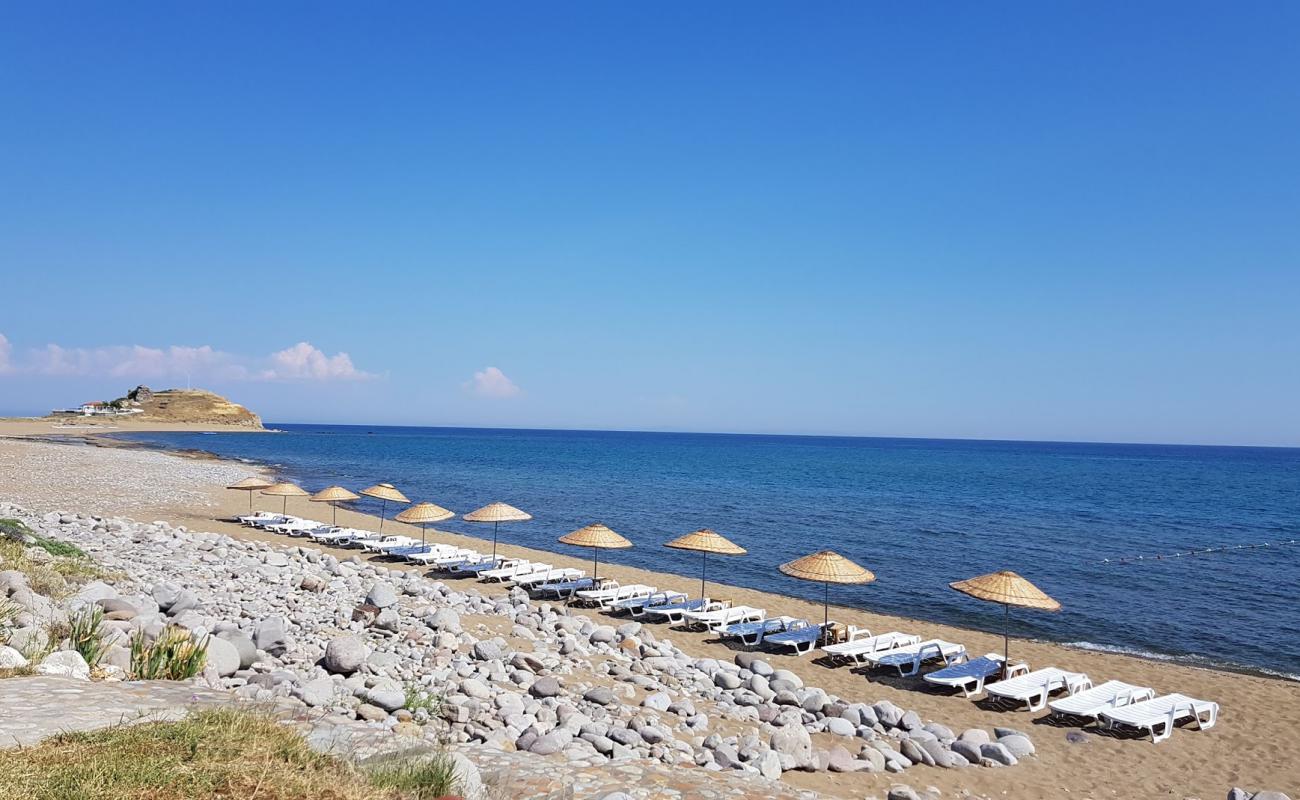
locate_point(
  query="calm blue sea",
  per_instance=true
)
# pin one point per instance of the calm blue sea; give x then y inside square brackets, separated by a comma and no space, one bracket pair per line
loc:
[919,513]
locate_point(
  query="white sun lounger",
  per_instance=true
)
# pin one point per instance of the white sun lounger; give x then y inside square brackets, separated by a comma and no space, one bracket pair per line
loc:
[970,676]
[388,543]
[1104,697]
[908,659]
[508,571]
[612,592]
[259,517]
[862,644]
[634,592]
[718,618]
[433,554]
[1033,688]
[558,574]
[1158,716]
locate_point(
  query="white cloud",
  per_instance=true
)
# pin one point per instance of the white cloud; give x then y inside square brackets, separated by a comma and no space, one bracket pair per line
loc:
[305,362]
[302,362]
[492,382]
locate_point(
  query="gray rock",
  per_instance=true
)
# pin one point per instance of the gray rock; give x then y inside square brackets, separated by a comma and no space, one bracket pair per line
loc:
[371,713]
[600,695]
[11,658]
[381,595]
[545,686]
[659,701]
[270,635]
[968,750]
[243,645]
[486,650]
[344,655]
[65,662]
[840,726]
[222,656]
[164,594]
[726,680]
[318,692]
[1018,744]
[444,619]
[794,745]
[603,634]
[901,791]
[911,721]
[998,753]
[1269,795]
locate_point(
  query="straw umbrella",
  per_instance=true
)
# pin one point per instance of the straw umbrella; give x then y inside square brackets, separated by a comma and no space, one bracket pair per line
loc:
[1009,589]
[422,514]
[250,485]
[706,541]
[828,567]
[385,493]
[497,513]
[597,537]
[334,495]
[285,490]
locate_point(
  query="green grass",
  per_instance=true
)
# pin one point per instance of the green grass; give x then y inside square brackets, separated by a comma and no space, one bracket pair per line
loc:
[13,529]
[173,656]
[417,697]
[86,634]
[214,753]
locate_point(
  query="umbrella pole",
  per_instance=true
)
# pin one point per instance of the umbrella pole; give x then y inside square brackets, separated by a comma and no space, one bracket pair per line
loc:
[250,502]
[1006,639]
[284,506]
[826,606]
[595,565]
[704,566]
[383,506]
[424,526]
[495,525]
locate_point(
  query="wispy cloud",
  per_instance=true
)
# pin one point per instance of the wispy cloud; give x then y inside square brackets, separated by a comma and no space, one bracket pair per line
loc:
[492,382]
[301,362]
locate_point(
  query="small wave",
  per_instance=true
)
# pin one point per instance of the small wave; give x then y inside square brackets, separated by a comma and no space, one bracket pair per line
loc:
[1190,659]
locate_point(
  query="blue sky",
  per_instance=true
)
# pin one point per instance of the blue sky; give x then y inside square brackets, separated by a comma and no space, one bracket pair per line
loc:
[1043,221]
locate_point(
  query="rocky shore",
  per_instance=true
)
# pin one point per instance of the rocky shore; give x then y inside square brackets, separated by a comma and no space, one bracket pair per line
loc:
[417,657]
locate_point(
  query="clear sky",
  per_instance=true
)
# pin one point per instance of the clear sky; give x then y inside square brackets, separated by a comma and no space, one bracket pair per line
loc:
[1041,220]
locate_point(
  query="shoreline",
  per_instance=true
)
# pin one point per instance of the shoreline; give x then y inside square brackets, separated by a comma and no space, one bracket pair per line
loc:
[1249,746]
[1190,661]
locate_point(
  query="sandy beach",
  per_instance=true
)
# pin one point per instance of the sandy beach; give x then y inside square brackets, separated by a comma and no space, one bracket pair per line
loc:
[1253,744]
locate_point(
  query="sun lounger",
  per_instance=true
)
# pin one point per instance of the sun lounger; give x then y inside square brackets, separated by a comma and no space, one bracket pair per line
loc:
[801,636]
[716,618]
[1033,688]
[549,576]
[563,589]
[509,571]
[909,658]
[672,612]
[260,517]
[612,592]
[971,675]
[391,543]
[435,553]
[478,568]
[637,605]
[1159,715]
[862,644]
[634,592]
[1091,702]
[752,633]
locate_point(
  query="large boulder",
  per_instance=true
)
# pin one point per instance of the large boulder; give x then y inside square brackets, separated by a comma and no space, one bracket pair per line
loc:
[270,635]
[381,595]
[11,658]
[222,656]
[67,663]
[794,746]
[345,655]
[243,645]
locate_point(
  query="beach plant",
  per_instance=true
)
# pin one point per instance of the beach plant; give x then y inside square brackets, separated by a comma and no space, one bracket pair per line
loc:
[175,655]
[422,777]
[86,634]
[419,698]
[15,530]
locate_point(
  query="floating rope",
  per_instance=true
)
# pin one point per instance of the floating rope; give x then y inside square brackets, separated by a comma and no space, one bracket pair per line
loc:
[1227,548]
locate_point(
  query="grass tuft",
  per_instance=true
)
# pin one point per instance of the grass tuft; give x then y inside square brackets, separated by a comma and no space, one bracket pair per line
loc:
[86,634]
[212,753]
[173,656]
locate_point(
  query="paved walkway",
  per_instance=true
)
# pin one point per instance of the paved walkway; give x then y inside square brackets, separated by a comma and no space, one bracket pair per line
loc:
[33,709]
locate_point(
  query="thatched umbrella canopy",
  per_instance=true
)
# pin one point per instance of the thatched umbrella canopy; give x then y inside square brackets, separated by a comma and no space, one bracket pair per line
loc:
[250,485]
[385,493]
[334,495]
[285,490]
[598,537]
[497,513]
[423,514]
[706,541]
[828,567]
[1009,589]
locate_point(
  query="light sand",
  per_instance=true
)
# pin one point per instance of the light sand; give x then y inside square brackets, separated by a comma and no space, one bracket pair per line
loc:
[1256,743]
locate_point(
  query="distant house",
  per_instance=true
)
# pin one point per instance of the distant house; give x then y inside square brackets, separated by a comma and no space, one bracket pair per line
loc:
[96,407]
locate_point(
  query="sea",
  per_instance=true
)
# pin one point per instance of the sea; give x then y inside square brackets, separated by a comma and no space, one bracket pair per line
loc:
[1171,552]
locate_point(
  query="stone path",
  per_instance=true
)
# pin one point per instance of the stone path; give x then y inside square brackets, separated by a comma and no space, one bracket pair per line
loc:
[33,709]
